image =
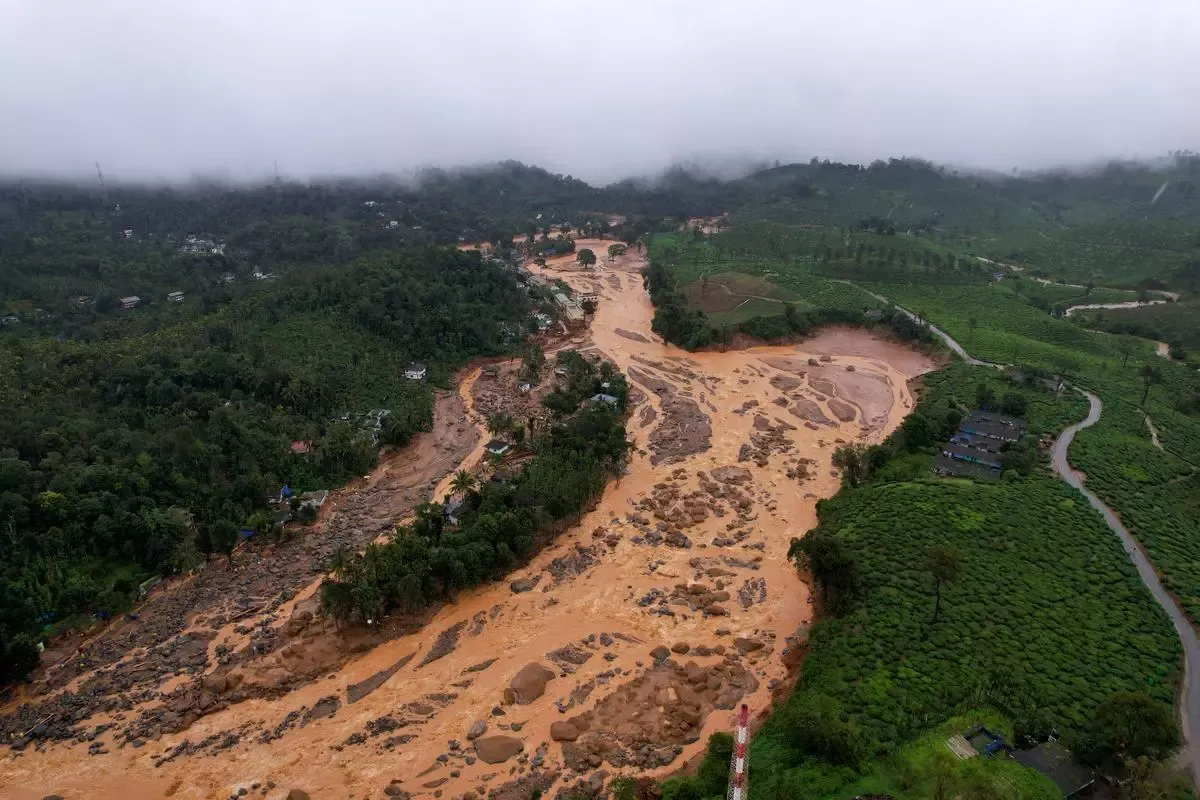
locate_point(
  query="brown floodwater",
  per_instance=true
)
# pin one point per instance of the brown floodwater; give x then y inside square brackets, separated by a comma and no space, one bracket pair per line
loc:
[866,379]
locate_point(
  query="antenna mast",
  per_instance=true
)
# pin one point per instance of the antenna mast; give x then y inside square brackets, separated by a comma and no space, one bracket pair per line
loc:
[739,783]
[103,188]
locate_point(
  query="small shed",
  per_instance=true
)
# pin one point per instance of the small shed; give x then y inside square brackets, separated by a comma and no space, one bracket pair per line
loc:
[498,447]
[302,448]
[606,399]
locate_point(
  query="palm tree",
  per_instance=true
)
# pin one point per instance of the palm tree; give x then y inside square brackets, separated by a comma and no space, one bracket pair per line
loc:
[497,423]
[463,482]
[340,560]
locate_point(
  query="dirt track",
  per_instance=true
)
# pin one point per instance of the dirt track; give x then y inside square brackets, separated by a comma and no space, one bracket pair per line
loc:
[669,603]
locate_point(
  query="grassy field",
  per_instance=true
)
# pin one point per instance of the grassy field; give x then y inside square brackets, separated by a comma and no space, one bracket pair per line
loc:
[909,773]
[732,279]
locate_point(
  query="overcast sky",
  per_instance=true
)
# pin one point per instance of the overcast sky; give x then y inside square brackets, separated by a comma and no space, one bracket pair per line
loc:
[600,89]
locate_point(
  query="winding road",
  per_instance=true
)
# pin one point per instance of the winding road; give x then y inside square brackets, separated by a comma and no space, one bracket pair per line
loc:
[1188,693]
[1188,696]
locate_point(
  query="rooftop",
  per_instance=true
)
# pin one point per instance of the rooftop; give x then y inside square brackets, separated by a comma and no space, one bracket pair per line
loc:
[1056,763]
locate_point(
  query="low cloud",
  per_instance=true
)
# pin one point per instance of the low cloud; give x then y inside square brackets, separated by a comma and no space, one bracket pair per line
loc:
[169,90]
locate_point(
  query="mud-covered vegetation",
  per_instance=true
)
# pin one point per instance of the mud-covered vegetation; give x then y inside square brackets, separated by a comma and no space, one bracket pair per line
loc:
[500,524]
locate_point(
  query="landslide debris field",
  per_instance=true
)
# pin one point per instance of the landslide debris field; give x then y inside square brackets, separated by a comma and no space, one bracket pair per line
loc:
[619,648]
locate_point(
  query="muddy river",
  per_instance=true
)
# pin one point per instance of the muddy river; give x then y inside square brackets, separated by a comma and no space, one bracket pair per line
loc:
[671,602]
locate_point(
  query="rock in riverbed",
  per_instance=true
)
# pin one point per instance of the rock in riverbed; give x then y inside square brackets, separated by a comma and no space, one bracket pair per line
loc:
[497,749]
[529,684]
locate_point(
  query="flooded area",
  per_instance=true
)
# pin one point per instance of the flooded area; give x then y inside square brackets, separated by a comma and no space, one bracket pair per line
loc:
[621,647]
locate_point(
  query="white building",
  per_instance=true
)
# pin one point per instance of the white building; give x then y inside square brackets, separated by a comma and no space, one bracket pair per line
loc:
[130,302]
[415,372]
[175,297]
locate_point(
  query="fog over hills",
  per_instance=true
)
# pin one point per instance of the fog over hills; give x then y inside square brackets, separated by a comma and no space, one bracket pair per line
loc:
[226,89]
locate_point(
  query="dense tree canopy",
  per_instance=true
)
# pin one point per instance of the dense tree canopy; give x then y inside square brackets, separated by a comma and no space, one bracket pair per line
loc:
[153,449]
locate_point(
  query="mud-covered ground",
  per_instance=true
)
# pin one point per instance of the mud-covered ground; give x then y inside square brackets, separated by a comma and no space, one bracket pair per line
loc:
[619,648]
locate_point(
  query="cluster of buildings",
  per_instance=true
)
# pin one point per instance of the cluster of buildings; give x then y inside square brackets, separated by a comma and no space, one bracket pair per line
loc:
[974,451]
[196,245]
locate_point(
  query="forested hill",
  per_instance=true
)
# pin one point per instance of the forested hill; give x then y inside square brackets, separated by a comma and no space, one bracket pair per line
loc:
[1126,223]
[148,450]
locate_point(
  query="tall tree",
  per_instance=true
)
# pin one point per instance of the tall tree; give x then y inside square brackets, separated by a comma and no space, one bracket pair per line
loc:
[1151,375]
[463,482]
[1146,779]
[1131,725]
[498,423]
[586,257]
[833,566]
[943,565]
[852,460]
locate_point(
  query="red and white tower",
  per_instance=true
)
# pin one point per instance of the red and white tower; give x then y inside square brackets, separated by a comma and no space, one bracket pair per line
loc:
[739,784]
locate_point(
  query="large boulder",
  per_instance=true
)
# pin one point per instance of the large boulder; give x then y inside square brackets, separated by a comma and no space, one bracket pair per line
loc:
[477,730]
[746,645]
[299,620]
[523,585]
[497,749]
[214,683]
[563,731]
[530,683]
[731,474]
